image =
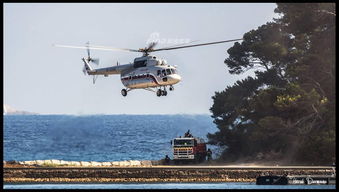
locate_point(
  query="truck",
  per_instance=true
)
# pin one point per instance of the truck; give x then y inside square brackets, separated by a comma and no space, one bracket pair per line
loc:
[188,149]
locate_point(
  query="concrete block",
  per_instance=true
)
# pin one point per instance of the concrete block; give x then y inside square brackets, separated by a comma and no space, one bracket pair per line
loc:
[39,162]
[85,163]
[29,162]
[48,161]
[115,163]
[134,163]
[106,164]
[96,164]
[124,163]
[74,163]
[69,163]
[12,162]
[146,163]
[62,162]
[55,162]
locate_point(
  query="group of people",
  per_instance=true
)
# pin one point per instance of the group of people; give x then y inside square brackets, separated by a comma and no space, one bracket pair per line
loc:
[188,134]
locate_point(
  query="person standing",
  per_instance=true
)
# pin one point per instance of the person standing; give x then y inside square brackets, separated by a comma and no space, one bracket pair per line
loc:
[167,160]
[209,155]
[187,134]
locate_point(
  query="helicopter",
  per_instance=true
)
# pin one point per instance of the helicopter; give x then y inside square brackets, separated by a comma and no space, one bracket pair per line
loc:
[146,72]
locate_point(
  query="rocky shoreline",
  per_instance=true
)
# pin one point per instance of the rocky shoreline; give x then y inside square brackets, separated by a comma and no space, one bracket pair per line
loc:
[59,163]
[15,173]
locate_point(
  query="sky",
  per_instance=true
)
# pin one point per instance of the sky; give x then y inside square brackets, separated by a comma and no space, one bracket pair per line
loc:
[41,78]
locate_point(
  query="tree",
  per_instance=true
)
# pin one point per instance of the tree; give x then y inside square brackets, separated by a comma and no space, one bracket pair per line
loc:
[288,108]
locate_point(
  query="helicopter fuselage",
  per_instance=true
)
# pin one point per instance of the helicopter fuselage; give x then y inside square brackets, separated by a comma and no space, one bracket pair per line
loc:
[152,76]
[145,72]
[149,71]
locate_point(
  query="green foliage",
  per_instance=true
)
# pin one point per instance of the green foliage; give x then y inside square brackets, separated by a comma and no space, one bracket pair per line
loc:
[318,145]
[288,108]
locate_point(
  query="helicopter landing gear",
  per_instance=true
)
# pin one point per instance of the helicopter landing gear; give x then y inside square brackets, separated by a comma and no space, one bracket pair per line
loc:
[161,92]
[171,88]
[124,92]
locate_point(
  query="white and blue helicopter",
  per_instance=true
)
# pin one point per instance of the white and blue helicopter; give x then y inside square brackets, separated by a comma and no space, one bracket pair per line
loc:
[146,72]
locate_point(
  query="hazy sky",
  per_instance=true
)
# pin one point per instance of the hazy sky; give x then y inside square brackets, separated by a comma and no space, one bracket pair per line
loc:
[49,80]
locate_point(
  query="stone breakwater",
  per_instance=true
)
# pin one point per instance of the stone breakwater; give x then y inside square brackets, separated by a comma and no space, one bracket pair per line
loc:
[117,175]
[147,174]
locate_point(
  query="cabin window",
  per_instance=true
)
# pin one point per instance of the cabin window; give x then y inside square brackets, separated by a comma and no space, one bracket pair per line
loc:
[168,71]
[138,64]
[172,70]
[163,72]
[159,72]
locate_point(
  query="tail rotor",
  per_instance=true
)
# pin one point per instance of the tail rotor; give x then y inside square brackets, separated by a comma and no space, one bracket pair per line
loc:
[89,58]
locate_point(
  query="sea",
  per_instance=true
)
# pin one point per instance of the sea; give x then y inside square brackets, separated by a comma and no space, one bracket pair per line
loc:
[98,137]
[105,138]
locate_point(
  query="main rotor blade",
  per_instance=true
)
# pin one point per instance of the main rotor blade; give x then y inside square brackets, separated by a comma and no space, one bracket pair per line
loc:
[97,47]
[179,44]
[202,44]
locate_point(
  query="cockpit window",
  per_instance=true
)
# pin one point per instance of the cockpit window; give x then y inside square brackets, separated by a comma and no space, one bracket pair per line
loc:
[168,71]
[183,142]
[138,64]
[163,72]
[174,71]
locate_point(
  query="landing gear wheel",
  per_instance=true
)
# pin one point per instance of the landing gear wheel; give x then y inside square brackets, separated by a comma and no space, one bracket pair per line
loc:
[171,88]
[124,92]
[164,93]
[159,92]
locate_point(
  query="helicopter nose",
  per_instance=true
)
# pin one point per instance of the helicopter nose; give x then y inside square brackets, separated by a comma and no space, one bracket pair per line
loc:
[174,78]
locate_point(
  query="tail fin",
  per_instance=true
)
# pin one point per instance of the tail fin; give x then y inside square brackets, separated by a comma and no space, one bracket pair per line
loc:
[87,67]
